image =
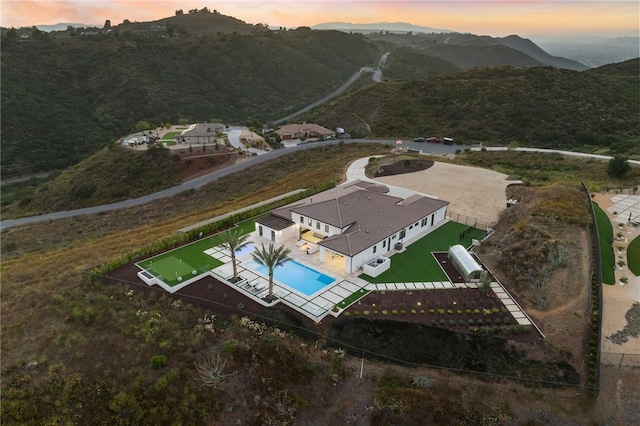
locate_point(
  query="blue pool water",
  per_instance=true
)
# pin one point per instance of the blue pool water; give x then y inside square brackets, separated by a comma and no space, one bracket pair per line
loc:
[249,248]
[296,276]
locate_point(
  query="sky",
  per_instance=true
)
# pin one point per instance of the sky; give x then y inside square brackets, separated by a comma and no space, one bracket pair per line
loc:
[480,17]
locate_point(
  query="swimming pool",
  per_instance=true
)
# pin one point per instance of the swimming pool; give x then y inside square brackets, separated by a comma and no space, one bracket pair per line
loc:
[249,248]
[295,275]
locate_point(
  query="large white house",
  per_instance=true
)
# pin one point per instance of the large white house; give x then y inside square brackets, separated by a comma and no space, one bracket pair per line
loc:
[356,221]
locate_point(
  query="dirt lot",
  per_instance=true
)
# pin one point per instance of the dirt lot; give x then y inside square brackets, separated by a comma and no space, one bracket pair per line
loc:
[471,191]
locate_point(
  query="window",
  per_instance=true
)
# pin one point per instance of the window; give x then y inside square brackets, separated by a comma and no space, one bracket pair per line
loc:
[375,248]
[384,243]
[402,234]
[424,222]
[326,228]
[317,225]
[309,222]
[301,219]
[432,217]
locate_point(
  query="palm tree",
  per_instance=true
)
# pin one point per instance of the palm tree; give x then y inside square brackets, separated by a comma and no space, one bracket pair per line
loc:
[233,240]
[271,257]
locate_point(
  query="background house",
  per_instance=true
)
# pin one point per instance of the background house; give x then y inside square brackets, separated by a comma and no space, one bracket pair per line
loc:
[201,133]
[305,130]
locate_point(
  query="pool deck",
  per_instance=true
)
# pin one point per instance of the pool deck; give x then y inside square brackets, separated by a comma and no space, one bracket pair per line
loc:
[256,285]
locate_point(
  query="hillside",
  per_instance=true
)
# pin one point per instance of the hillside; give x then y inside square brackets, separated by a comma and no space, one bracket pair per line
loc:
[467,50]
[65,95]
[95,353]
[538,107]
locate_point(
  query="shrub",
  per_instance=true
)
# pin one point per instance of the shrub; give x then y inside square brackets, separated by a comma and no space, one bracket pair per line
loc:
[158,361]
[422,311]
[413,311]
[365,313]
[356,313]
[468,311]
[394,312]
[229,347]
[450,311]
[476,311]
[459,311]
[347,314]
[431,310]
[384,312]
[375,312]
[470,322]
[441,311]
[403,311]
[442,321]
[422,382]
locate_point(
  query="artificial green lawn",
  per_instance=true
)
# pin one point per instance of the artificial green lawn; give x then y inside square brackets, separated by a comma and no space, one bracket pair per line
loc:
[633,256]
[181,261]
[605,229]
[417,264]
[169,136]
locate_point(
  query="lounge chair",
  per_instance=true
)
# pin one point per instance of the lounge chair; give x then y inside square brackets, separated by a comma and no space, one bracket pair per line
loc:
[260,286]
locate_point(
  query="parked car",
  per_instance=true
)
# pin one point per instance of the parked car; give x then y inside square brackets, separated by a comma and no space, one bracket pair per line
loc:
[433,139]
[418,140]
[447,141]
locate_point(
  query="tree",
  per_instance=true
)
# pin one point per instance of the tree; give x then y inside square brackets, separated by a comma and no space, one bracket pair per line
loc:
[107,24]
[271,257]
[618,167]
[233,240]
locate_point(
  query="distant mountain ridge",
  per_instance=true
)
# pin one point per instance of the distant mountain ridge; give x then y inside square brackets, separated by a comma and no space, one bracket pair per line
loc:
[393,27]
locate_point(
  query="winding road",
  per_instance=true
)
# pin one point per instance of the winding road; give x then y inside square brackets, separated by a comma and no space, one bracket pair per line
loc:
[203,180]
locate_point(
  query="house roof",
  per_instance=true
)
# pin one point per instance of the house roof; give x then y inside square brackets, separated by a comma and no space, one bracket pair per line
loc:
[365,217]
[304,128]
[203,129]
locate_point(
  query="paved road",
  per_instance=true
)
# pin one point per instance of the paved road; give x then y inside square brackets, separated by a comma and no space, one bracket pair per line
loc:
[203,180]
[426,148]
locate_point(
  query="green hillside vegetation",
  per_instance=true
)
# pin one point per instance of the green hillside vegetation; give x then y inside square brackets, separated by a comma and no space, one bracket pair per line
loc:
[66,95]
[113,174]
[405,63]
[536,107]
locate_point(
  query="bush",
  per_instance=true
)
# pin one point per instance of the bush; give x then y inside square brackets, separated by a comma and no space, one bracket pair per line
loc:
[158,361]
[394,312]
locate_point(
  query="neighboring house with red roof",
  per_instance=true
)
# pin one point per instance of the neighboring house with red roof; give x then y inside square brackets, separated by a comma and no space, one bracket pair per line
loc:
[305,130]
[355,221]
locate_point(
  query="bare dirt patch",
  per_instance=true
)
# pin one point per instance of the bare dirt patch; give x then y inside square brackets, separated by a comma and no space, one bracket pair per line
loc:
[470,191]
